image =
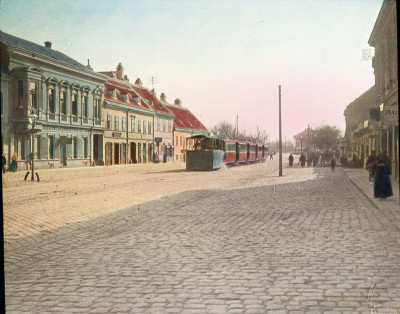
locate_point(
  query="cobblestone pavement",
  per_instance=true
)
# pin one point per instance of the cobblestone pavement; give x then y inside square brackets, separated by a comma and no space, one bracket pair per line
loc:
[316,246]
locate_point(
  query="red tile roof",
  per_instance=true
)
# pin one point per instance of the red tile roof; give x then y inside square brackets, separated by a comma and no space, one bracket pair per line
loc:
[185,119]
[123,89]
[146,94]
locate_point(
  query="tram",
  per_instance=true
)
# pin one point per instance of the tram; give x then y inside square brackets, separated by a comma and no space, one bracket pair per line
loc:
[205,153]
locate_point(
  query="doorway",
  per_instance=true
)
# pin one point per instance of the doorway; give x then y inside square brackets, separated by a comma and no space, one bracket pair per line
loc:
[116,153]
[133,153]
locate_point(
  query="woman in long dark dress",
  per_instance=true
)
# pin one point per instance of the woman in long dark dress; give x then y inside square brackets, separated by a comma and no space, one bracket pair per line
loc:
[382,184]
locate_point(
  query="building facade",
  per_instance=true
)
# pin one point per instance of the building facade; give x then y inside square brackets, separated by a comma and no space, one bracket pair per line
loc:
[129,122]
[163,123]
[384,39]
[361,136]
[51,106]
[372,119]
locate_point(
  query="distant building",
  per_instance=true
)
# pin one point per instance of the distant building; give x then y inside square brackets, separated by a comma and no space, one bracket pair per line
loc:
[185,125]
[304,141]
[64,95]
[361,122]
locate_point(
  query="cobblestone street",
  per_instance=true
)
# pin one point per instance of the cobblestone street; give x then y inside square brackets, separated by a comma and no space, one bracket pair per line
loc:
[311,242]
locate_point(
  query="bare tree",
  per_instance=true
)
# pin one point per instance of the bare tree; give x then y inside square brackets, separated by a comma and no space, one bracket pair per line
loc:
[227,130]
[224,130]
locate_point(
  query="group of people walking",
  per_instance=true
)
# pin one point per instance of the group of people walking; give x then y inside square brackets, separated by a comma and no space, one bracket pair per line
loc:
[380,169]
[314,160]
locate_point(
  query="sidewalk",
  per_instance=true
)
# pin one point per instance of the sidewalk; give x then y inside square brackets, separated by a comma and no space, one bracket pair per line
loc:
[360,178]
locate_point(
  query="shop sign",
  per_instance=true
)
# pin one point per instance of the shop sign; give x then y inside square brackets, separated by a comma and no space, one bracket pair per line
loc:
[391,115]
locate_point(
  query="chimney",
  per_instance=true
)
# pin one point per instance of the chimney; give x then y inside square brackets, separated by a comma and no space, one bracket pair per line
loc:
[120,71]
[138,82]
[47,44]
[153,92]
[88,65]
[126,78]
[178,102]
[163,97]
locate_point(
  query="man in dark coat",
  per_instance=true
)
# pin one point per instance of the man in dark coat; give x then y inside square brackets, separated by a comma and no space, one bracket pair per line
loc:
[302,160]
[382,184]
[291,158]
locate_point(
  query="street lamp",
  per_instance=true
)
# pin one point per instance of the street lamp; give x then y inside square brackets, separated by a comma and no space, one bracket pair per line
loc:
[32,120]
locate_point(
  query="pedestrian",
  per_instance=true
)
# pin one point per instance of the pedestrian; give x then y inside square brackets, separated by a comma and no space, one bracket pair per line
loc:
[271,156]
[371,161]
[382,183]
[333,163]
[14,163]
[237,152]
[291,158]
[3,162]
[302,160]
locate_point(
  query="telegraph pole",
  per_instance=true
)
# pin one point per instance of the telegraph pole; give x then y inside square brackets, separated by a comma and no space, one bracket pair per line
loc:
[280,134]
[237,126]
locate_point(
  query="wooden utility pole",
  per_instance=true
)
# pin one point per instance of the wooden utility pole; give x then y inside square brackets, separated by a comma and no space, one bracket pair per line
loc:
[237,126]
[280,134]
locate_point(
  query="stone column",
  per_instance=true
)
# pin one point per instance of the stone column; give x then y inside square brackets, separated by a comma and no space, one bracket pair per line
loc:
[57,100]
[79,103]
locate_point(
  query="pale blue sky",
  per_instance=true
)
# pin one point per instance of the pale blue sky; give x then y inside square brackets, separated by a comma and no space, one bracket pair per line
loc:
[221,58]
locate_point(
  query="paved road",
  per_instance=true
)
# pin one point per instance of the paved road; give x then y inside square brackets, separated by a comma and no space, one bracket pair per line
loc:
[302,247]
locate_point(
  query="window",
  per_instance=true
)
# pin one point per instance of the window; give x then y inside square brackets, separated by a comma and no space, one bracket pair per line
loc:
[139,152]
[74,103]
[108,122]
[144,126]
[51,99]
[85,105]
[75,146]
[116,127]
[149,127]
[63,102]
[180,141]
[163,126]
[132,124]
[169,125]
[144,152]
[51,147]
[177,142]
[85,147]
[96,109]
[158,124]
[20,94]
[123,124]
[33,95]
[139,126]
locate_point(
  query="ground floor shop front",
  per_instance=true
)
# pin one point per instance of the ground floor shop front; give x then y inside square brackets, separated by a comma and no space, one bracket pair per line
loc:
[119,152]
